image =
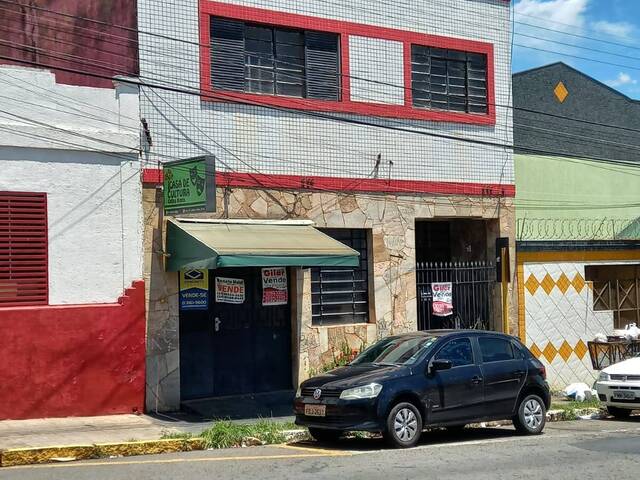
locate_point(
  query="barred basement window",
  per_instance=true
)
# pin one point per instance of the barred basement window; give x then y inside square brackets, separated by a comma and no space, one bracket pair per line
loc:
[252,58]
[340,295]
[448,80]
[23,249]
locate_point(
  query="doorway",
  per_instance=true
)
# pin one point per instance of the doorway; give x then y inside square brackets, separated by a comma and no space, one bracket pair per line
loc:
[235,348]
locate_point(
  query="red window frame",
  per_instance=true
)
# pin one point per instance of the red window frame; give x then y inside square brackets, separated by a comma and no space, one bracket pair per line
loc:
[210,8]
[24,249]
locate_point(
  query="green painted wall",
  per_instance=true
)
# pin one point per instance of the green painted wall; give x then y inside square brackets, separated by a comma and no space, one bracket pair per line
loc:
[574,199]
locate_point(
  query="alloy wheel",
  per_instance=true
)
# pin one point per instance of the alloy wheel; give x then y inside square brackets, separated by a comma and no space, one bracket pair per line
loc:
[405,425]
[533,413]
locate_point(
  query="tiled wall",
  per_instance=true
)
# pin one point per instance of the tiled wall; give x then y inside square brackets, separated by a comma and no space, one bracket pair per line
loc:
[255,139]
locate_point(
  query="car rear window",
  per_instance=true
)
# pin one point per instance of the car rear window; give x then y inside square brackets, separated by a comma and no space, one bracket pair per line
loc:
[495,349]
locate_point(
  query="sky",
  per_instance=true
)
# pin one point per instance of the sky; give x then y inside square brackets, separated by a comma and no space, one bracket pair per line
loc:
[548,31]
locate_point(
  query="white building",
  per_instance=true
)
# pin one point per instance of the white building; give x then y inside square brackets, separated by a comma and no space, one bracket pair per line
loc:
[348,114]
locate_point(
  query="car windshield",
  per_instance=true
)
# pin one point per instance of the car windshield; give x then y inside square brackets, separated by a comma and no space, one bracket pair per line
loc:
[395,351]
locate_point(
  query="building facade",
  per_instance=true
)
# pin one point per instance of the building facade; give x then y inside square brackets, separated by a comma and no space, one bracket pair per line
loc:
[386,126]
[578,227]
[71,292]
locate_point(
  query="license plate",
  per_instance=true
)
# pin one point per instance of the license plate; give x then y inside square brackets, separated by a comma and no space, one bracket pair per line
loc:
[315,410]
[620,395]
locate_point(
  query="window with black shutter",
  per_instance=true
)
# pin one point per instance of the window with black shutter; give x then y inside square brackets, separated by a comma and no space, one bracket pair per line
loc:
[253,58]
[23,249]
[340,295]
[449,80]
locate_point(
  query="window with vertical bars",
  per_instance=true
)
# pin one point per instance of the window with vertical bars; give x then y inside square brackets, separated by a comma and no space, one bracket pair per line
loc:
[449,80]
[340,295]
[23,249]
[262,59]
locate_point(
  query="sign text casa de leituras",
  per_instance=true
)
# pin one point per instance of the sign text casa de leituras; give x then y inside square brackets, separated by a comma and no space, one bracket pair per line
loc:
[189,185]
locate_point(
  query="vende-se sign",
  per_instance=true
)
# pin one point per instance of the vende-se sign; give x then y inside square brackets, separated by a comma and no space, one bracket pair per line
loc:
[442,303]
[190,185]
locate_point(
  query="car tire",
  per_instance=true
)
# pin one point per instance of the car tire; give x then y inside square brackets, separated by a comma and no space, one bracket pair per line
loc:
[531,416]
[619,412]
[325,435]
[403,426]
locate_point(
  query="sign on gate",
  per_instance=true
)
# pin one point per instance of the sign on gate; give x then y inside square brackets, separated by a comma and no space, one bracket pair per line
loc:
[442,303]
[194,290]
[229,290]
[189,185]
[274,286]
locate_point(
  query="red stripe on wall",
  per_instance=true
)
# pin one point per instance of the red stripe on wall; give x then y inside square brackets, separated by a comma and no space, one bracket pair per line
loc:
[299,182]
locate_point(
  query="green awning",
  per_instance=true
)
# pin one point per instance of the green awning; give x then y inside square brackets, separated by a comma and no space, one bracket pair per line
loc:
[211,244]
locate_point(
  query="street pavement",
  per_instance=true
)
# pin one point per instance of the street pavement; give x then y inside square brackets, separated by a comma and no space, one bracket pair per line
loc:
[582,450]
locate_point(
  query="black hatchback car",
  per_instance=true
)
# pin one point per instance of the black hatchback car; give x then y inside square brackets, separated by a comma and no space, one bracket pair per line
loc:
[403,384]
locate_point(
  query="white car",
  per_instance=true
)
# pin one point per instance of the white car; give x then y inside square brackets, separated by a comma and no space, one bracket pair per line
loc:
[619,387]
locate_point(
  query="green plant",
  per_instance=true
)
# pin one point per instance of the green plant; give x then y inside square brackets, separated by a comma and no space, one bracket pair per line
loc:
[342,357]
[169,435]
[226,434]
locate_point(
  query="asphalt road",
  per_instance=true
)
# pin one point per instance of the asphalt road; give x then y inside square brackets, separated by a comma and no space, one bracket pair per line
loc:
[598,449]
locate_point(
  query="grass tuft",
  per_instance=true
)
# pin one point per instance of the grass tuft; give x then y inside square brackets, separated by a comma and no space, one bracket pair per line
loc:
[227,434]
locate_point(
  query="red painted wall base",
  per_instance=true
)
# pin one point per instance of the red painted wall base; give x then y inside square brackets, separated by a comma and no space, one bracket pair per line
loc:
[77,360]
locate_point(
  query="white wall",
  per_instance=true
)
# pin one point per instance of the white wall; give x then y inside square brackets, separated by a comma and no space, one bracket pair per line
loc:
[256,139]
[82,154]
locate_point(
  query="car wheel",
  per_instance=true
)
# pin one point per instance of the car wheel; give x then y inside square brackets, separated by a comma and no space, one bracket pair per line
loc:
[531,416]
[619,412]
[325,435]
[404,426]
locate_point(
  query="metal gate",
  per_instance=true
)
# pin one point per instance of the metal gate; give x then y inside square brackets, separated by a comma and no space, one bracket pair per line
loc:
[473,294]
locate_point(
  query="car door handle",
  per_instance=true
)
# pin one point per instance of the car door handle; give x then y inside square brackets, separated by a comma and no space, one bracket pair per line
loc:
[476,380]
[517,373]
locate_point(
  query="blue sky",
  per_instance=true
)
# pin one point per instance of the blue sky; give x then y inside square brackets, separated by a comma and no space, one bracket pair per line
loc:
[612,26]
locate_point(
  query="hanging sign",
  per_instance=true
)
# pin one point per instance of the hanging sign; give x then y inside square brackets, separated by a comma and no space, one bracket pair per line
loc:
[194,289]
[442,299]
[229,290]
[189,185]
[274,286]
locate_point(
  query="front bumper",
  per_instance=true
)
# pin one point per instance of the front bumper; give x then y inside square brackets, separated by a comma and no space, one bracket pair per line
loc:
[606,391]
[346,415]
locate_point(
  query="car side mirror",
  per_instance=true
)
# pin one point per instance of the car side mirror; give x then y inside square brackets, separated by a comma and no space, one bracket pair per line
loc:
[437,365]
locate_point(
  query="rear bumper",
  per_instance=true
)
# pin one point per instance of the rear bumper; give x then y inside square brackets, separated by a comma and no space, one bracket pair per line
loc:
[354,415]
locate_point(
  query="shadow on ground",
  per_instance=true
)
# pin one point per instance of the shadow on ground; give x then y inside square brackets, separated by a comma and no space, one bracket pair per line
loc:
[441,437]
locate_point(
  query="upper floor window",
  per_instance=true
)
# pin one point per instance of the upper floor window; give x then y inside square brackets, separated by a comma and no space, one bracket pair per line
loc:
[449,80]
[23,249]
[253,58]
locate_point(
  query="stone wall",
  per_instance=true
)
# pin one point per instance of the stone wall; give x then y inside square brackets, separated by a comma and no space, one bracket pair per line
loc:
[391,220]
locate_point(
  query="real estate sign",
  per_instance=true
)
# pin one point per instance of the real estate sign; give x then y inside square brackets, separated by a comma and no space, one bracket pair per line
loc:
[442,303]
[194,290]
[274,286]
[189,185]
[229,290]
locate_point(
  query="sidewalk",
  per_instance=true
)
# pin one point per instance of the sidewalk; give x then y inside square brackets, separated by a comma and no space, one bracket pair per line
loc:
[89,430]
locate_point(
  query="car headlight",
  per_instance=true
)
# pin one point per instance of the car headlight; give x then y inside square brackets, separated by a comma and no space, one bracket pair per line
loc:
[604,377]
[368,391]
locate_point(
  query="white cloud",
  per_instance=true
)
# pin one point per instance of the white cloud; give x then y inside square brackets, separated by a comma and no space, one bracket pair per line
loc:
[571,13]
[622,30]
[622,80]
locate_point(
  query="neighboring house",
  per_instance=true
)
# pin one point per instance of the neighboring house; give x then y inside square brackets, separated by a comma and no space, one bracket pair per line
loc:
[71,295]
[577,164]
[346,114]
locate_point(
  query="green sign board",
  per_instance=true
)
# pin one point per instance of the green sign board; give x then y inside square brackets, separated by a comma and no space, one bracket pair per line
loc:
[190,186]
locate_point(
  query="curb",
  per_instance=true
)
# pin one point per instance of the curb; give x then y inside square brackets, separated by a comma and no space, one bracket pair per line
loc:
[30,456]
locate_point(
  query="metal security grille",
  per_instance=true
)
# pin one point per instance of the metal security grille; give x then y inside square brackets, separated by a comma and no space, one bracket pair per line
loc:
[274,61]
[448,80]
[473,294]
[23,249]
[341,295]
